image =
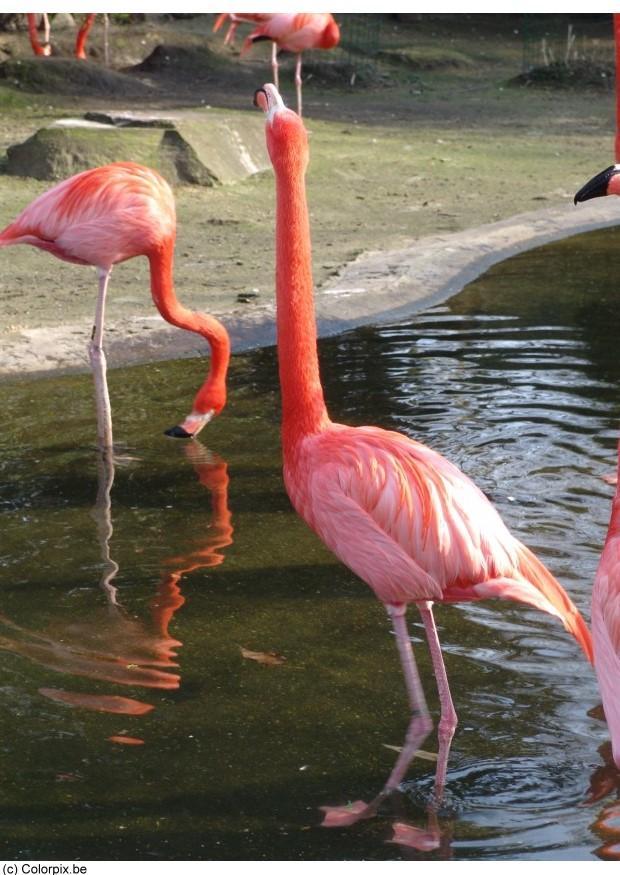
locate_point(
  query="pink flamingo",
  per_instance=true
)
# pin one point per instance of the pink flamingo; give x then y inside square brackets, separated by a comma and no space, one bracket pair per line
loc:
[104,216]
[399,515]
[235,19]
[296,32]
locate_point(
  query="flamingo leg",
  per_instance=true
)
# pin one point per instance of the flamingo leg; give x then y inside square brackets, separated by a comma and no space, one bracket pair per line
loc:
[298,83]
[106,39]
[230,34]
[99,365]
[103,517]
[274,63]
[420,725]
[448,719]
[46,29]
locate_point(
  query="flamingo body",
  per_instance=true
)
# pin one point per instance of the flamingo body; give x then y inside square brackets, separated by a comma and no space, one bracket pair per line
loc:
[99,217]
[105,216]
[297,32]
[412,525]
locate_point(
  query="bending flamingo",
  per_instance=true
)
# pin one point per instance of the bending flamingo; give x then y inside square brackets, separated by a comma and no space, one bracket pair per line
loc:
[606,590]
[296,32]
[104,216]
[402,517]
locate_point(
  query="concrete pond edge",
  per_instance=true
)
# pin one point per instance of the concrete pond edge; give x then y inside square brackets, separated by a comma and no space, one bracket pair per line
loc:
[378,287]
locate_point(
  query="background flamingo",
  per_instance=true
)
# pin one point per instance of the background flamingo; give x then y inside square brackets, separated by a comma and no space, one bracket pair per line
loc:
[234,19]
[296,32]
[104,216]
[606,590]
[80,41]
[398,514]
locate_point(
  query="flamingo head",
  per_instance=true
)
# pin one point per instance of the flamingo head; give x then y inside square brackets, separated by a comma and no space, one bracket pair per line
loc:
[605,182]
[47,50]
[287,138]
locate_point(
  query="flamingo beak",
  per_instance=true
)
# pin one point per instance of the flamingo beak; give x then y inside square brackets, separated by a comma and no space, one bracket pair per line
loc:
[191,425]
[598,186]
[268,99]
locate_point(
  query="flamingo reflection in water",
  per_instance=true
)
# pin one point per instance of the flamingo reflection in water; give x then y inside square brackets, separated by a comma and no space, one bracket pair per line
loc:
[604,781]
[114,646]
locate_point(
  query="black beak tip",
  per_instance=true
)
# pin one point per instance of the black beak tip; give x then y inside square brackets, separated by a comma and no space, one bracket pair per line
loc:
[177,432]
[597,186]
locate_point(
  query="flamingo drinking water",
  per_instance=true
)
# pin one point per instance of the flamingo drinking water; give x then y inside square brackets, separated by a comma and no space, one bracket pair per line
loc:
[402,517]
[104,216]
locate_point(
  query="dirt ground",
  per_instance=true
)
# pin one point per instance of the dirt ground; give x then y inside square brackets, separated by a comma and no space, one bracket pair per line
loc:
[409,147]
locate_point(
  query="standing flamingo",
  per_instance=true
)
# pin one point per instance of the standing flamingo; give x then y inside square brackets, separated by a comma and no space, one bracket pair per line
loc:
[606,590]
[296,32]
[399,515]
[104,216]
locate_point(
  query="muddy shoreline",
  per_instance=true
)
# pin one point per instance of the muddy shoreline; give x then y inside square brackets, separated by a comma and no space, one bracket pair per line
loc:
[377,287]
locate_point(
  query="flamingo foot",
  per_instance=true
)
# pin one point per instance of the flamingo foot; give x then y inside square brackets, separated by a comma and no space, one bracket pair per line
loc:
[612,479]
[346,815]
[191,425]
[412,837]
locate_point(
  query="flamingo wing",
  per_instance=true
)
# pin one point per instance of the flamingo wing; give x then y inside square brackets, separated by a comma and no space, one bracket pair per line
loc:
[351,532]
[414,527]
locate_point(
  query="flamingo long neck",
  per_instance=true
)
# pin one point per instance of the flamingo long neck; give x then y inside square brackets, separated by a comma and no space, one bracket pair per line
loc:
[303,405]
[212,394]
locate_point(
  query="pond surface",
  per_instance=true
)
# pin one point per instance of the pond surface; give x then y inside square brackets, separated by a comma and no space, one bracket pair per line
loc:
[132,723]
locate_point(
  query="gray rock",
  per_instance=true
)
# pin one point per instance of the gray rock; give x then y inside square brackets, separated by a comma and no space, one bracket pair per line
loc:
[201,148]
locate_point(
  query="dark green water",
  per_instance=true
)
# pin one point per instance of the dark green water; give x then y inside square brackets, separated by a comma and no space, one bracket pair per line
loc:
[517,380]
